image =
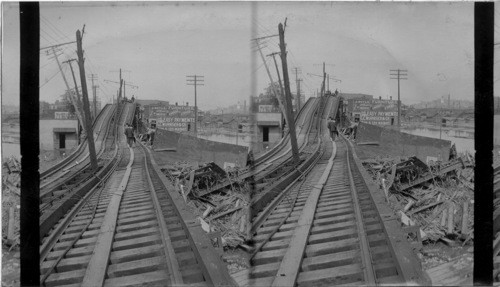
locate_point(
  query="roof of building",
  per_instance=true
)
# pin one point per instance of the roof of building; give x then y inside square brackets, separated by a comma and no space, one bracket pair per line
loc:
[350,96]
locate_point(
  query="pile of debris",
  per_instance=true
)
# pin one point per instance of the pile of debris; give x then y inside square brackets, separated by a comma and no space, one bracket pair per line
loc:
[217,197]
[11,196]
[436,199]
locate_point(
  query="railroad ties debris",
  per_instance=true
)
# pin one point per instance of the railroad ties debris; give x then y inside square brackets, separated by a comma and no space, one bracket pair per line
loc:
[222,212]
[11,193]
[434,202]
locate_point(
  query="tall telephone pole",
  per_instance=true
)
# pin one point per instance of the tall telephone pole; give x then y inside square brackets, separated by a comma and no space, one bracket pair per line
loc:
[90,133]
[94,92]
[273,88]
[282,90]
[195,80]
[297,81]
[75,103]
[399,75]
[78,101]
[288,95]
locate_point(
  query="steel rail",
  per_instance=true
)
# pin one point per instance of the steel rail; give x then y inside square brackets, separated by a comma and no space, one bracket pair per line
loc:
[172,263]
[67,167]
[307,166]
[51,170]
[364,246]
[47,220]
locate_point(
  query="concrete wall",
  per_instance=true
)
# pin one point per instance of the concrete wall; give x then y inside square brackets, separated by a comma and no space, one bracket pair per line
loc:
[50,140]
[201,150]
[403,144]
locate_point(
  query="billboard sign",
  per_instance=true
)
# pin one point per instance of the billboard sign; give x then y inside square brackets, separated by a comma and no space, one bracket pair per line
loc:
[172,117]
[374,112]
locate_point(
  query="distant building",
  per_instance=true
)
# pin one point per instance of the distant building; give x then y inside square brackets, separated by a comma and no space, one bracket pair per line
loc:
[59,128]
[350,96]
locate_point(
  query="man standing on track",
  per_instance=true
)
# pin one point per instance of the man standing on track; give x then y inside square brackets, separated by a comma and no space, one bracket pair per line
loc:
[332,126]
[129,133]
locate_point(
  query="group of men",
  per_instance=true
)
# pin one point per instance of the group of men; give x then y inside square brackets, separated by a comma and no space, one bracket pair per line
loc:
[129,133]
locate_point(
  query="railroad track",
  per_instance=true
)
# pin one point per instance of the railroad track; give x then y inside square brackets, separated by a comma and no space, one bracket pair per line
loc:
[278,158]
[56,171]
[286,174]
[71,173]
[127,232]
[325,231]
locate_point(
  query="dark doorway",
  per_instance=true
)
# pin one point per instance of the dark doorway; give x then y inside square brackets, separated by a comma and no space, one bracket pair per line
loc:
[62,141]
[265,134]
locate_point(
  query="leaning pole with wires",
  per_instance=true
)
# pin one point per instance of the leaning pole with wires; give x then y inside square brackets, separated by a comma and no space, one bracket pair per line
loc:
[288,95]
[90,133]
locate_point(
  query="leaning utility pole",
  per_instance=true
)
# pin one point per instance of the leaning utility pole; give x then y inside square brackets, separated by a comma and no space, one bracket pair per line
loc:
[279,77]
[324,79]
[273,88]
[297,82]
[282,92]
[288,95]
[75,103]
[195,81]
[78,101]
[90,133]
[399,75]
[94,92]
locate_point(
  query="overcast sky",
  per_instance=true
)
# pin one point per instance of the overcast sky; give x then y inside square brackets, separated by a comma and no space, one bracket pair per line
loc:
[161,43]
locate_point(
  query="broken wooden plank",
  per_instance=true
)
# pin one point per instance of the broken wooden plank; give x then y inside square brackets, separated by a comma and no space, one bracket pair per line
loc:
[410,203]
[10,231]
[392,175]
[444,216]
[243,221]
[207,211]
[450,219]
[465,218]
[424,207]
[225,213]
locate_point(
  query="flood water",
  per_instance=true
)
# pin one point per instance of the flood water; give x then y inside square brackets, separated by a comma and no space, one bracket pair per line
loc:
[12,146]
[462,144]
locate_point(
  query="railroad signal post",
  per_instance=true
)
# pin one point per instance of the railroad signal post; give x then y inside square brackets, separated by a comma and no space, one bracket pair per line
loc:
[399,75]
[195,81]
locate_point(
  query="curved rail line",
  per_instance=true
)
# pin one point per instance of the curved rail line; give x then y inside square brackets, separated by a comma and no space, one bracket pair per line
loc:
[325,231]
[129,232]
[56,203]
[78,161]
[99,121]
[285,175]
[279,160]
[301,117]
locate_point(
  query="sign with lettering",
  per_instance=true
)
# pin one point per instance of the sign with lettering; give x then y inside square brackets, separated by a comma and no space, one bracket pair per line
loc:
[268,109]
[375,112]
[62,116]
[172,117]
